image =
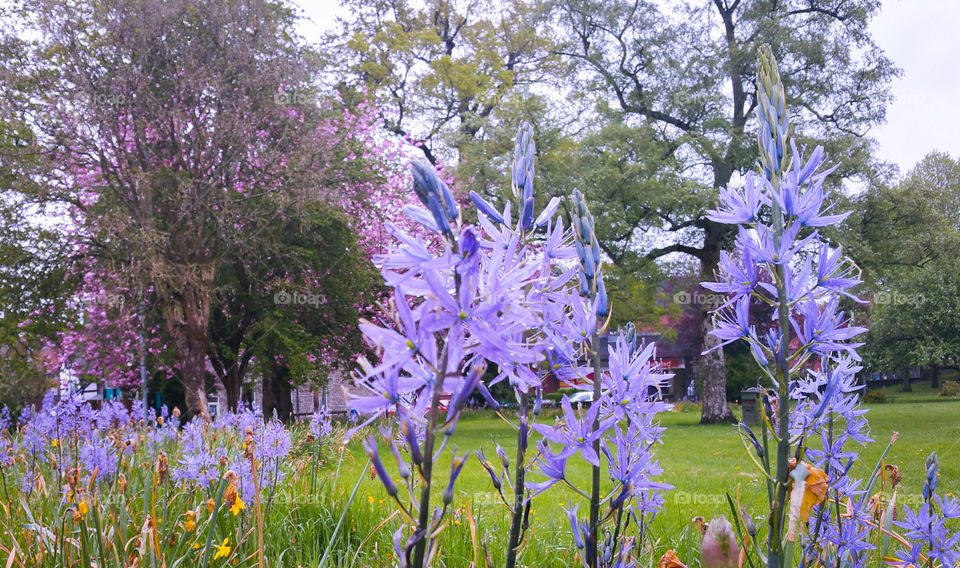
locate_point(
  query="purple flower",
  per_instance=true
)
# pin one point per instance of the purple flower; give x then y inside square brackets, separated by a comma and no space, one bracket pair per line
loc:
[320,425]
[576,433]
[739,206]
[98,456]
[834,274]
[825,329]
[455,467]
[764,248]
[371,447]
[729,327]
[581,530]
[483,206]
[553,467]
[740,277]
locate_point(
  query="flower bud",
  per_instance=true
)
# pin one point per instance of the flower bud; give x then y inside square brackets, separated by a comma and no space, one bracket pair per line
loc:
[402,466]
[483,206]
[458,462]
[371,446]
[933,472]
[719,548]
[502,454]
[413,444]
[489,468]
[602,307]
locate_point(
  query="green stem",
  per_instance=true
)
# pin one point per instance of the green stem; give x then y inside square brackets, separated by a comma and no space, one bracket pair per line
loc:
[518,493]
[426,470]
[775,557]
[591,545]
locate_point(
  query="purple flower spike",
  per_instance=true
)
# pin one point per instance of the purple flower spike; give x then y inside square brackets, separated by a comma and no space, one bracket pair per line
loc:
[458,463]
[371,447]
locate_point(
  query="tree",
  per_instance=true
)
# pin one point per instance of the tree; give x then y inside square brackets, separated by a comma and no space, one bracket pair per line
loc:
[291,313]
[34,292]
[166,124]
[905,237]
[440,70]
[652,117]
[315,255]
[35,285]
[683,78]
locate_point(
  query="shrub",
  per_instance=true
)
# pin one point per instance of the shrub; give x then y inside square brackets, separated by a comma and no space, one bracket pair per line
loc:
[558,396]
[684,406]
[950,388]
[876,396]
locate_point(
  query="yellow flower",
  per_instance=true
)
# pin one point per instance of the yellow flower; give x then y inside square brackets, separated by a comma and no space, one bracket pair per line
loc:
[55,442]
[223,550]
[82,508]
[189,522]
[237,506]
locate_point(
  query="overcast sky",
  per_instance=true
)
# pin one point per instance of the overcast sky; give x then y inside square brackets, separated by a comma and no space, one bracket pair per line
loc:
[920,36]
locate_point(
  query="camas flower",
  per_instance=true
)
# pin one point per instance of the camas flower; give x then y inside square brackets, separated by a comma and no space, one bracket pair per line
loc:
[576,433]
[825,329]
[740,276]
[740,206]
[552,466]
[729,327]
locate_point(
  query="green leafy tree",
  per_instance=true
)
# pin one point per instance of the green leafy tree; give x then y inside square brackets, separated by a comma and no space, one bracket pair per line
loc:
[35,293]
[439,70]
[682,77]
[905,237]
[35,288]
[289,312]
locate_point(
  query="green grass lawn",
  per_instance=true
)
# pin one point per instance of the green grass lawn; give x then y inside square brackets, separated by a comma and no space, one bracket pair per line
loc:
[702,462]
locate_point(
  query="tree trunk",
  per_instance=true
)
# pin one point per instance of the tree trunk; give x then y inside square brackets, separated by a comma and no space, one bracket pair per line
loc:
[194,373]
[713,372]
[934,377]
[187,316]
[905,387]
[231,384]
[276,394]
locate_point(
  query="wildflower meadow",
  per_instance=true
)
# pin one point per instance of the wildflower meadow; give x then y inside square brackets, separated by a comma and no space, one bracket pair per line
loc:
[506,397]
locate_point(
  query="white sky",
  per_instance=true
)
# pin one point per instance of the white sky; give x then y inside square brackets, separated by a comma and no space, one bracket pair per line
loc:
[920,36]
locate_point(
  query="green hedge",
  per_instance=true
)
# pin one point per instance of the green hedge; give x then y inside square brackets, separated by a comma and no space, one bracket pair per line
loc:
[557,396]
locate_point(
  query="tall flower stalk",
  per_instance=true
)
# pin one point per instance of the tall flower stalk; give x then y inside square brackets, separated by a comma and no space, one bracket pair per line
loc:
[591,282]
[806,355]
[468,297]
[617,433]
